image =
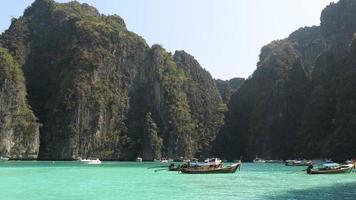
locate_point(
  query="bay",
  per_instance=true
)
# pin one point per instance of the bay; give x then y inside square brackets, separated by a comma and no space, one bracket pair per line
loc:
[60,180]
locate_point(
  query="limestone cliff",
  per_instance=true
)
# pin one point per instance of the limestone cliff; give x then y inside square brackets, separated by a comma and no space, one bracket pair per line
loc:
[300,100]
[91,83]
[19,134]
[263,116]
[228,87]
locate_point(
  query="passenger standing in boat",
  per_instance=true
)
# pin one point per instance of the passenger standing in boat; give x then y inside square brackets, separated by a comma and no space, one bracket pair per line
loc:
[310,167]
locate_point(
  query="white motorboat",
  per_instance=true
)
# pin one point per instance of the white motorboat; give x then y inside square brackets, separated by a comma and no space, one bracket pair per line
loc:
[2,158]
[138,159]
[91,161]
[258,160]
[274,161]
[298,162]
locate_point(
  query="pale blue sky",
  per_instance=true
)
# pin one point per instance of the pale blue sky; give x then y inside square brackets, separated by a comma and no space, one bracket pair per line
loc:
[225,36]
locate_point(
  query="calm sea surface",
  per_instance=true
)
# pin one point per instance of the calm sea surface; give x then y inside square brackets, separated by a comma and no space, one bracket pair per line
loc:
[31,180]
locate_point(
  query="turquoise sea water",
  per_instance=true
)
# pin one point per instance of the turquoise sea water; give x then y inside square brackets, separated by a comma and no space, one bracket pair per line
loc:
[37,180]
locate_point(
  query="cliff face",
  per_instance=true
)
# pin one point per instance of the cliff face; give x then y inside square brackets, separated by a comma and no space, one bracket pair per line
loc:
[310,43]
[19,131]
[100,90]
[78,66]
[92,83]
[344,136]
[338,25]
[169,103]
[299,102]
[204,101]
[184,103]
[328,120]
[228,87]
[264,113]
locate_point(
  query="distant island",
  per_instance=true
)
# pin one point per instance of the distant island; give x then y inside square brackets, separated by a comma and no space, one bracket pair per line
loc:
[75,83]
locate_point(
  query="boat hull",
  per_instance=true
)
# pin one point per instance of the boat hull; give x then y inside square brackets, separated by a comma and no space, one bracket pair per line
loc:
[174,169]
[230,169]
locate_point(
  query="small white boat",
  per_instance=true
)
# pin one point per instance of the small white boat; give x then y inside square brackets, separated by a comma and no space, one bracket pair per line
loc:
[258,160]
[138,159]
[298,162]
[91,161]
[349,162]
[164,161]
[2,158]
[274,161]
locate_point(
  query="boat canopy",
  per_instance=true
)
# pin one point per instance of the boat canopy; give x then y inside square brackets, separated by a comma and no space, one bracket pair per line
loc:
[331,165]
[207,162]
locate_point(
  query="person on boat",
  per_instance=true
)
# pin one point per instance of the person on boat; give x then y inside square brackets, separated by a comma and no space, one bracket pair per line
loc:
[310,167]
[172,166]
[184,165]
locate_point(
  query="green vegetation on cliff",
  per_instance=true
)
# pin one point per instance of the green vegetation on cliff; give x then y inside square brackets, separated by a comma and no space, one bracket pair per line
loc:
[152,143]
[264,113]
[91,83]
[227,88]
[299,102]
[204,101]
[100,90]
[19,134]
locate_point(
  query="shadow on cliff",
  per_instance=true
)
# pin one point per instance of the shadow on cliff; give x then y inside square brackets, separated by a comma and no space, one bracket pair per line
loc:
[344,191]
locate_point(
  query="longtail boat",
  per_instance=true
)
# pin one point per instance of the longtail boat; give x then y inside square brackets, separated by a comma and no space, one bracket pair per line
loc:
[214,170]
[331,168]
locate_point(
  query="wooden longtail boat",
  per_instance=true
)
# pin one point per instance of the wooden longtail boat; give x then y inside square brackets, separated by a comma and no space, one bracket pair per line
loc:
[217,170]
[335,169]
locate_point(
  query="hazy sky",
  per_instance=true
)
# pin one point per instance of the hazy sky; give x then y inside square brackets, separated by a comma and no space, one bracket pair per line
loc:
[225,36]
